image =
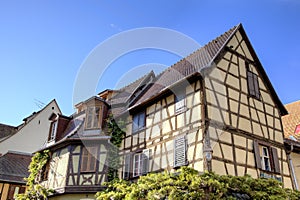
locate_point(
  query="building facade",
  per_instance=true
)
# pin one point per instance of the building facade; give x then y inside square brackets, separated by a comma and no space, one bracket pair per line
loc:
[35,127]
[214,110]
[13,169]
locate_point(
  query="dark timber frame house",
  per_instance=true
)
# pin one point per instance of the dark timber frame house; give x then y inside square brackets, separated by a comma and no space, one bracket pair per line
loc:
[214,110]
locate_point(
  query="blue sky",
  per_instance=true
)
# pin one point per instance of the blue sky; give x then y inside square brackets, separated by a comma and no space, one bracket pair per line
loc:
[44,43]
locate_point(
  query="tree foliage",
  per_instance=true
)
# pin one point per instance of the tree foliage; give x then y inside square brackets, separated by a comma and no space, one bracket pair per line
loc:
[35,191]
[187,183]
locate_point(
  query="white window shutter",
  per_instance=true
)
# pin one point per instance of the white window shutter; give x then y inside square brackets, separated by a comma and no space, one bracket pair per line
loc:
[146,157]
[180,158]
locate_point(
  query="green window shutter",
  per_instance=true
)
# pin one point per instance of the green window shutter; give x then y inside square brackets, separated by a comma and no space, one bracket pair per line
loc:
[180,158]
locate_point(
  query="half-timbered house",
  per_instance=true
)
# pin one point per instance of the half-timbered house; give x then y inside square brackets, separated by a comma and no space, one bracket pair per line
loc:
[79,143]
[214,110]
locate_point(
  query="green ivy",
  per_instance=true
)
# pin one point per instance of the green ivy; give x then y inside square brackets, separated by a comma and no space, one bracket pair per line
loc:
[187,183]
[36,191]
[117,133]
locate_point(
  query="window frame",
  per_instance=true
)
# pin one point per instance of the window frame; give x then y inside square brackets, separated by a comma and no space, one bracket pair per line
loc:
[87,155]
[142,160]
[272,157]
[137,170]
[53,131]
[265,158]
[93,117]
[141,121]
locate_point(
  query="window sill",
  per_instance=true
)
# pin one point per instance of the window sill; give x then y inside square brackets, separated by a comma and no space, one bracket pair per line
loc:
[138,131]
[254,97]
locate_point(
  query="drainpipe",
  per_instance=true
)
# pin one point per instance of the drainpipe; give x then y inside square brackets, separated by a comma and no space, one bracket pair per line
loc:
[292,168]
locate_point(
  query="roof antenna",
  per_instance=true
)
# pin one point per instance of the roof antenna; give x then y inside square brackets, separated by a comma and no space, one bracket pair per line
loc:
[39,103]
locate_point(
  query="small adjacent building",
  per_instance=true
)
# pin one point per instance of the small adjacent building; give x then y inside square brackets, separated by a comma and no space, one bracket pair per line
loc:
[13,170]
[17,144]
[36,127]
[6,131]
[291,127]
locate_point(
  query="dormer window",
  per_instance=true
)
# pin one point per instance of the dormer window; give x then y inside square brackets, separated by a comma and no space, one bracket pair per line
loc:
[93,118]
[53,131]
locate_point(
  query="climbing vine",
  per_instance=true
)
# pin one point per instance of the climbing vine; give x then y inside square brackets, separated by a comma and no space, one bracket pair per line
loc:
[36,191]
[117,132]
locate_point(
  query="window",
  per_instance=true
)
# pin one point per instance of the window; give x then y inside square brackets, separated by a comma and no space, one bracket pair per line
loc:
[14,190]
[253,85]
[43,176]
[266,157]
[141,163]
[89,159]
[180,104]
[138,121]
[180,158]
[53,131]
[93,118]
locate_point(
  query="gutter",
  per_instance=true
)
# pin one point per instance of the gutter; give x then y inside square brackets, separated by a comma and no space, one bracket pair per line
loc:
[292,169]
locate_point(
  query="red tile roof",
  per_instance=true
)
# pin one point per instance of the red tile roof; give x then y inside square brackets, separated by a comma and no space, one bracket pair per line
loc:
[14,167]
[291,120]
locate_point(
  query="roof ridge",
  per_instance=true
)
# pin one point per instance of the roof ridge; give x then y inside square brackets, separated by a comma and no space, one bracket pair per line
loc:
[188,65]
[201,48]
[18,153]
[135,81]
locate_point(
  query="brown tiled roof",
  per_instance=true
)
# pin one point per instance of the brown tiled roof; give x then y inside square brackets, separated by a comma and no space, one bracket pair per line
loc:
[120,101]
[6,130]
[122,95]
[200,59]
[291,120]
[188,66]
[14,167]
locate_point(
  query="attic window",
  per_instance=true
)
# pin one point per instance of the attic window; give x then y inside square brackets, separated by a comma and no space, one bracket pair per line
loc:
[253,86]
[53,131]
[93,118]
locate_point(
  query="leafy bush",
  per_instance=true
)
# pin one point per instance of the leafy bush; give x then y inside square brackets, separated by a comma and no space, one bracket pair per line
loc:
[187,183]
